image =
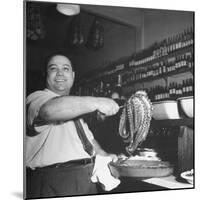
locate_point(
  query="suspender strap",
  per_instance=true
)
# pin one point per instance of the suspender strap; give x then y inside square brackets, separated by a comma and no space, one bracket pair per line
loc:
[81,133]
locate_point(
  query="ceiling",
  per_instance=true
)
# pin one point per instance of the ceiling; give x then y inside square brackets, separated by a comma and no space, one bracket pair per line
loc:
[122,15]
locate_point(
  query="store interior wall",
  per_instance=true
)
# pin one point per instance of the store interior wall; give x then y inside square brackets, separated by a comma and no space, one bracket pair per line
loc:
[161,24]
[158,25]
[119,41]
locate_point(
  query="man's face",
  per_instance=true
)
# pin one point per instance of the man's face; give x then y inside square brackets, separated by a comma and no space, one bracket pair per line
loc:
[60,76]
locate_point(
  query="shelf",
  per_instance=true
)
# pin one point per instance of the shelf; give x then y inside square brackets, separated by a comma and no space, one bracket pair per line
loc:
[171,54]
[173,122]
[128,69]
[167,74]
[109,74]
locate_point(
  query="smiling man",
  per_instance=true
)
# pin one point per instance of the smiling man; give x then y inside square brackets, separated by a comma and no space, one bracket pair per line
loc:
[60,75]
[58,160]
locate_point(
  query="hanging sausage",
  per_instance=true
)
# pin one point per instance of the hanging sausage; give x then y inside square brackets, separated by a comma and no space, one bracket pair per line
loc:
[76,37]
[96,35]
[35,27]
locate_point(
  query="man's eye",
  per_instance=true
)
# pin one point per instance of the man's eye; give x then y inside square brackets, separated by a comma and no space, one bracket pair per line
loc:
[53,68]
[66,68]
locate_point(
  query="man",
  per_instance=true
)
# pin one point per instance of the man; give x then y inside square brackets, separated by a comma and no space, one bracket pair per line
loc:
[56,158]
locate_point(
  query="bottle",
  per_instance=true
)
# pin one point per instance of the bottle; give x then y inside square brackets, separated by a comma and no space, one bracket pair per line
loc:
[191,87]
[101,89]
[167,66]
[164,68]
[191,35]
[192,60]
[184,61]
[151,71]
[188,58]
[160,68]
[177,62]
[168,45]
[170,90]
[184,38]
[119,80]
[184,88]
[160,93]
[155,93]
[180,61]
[165,93]
[174,86]
[187,37]
[176,91]
[187,89]
[174,43]
[171,45]
[179,40]
[165,47]
[180,91]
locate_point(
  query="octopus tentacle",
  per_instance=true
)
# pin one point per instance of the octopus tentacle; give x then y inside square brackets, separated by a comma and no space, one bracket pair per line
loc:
[138,110]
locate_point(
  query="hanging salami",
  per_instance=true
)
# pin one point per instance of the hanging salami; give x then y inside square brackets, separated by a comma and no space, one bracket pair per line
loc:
[96,35]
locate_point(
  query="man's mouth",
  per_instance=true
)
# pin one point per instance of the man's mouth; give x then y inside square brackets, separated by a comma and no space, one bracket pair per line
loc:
[60,80]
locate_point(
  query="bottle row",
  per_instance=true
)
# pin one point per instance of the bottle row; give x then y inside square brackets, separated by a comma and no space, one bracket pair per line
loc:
[174,63]
[171,92]
[164,47]
[157,93]
[138,68]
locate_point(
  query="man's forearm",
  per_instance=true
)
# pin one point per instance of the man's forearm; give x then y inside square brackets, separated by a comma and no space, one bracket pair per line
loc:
[66,108]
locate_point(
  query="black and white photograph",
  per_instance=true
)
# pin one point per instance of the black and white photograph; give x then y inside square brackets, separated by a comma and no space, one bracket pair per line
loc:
[109,97]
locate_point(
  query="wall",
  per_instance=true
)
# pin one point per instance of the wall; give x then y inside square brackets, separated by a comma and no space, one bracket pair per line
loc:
[161,24]
[158,25]
[119,41]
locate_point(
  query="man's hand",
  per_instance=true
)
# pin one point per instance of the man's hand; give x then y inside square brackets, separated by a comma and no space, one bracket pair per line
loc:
[107,106]
[114,157]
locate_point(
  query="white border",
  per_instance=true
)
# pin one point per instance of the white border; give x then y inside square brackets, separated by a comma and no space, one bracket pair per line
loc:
[11,100]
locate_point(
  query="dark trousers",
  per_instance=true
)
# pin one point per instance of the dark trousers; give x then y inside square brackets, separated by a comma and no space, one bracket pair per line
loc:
[60,181]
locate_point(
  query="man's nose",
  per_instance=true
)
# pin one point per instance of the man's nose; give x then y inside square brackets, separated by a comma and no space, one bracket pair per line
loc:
[60,72]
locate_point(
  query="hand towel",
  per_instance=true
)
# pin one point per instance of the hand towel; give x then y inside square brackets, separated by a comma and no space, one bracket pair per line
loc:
[101,173]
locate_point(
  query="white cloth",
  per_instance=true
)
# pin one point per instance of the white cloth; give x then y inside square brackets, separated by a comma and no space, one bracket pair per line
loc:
[54,143]
[101,173]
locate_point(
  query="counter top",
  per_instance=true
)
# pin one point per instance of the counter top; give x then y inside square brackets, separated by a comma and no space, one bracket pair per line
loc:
[168,182]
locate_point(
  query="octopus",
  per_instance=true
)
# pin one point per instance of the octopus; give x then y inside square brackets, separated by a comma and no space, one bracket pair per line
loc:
[135,120]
